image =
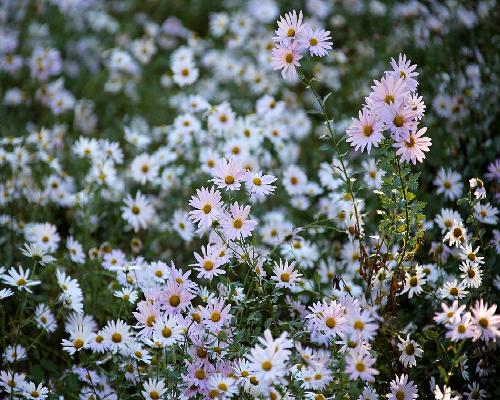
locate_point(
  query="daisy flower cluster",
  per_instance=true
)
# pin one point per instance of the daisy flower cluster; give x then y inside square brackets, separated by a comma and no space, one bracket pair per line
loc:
[393,105]
[177,221]
[293,39]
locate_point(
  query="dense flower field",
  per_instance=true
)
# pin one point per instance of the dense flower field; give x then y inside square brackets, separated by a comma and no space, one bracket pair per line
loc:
[255,199]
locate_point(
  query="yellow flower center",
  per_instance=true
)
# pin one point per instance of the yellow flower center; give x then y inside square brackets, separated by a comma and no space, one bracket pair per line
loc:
[174,300]
[215,317]
[399,120]
[200,374]
[457,232]
[359,325]
[202,353]
[400,395]
[330,322]
[360,367]
[166,332]
[483,322]
[208,265]
[267,365]
[411,142]
[389,98]
[154,395]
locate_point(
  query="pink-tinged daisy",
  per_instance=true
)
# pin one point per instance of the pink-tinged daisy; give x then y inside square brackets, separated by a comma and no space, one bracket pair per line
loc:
[289,28]
[401,389]
[387,91]
[317,41]
[146,315]
[260,185]
[413,147]
[449,314]
[359,365]
[285,274]
[176,298]
[460,328]
[286,58]
[228,174]
[399,120]
[327,318]
[403,69]
[235,224]
[486,322]
[366,131]
[215,315]
[207,204]
[416,104]
[182,278]
[197,374]
[208,262]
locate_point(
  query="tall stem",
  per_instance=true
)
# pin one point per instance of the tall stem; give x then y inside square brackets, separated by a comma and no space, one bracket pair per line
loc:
[347,179]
